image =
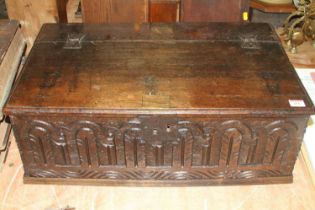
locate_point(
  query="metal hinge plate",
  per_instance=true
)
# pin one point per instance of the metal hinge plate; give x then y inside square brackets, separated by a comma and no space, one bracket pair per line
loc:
[74,41]
[249,42]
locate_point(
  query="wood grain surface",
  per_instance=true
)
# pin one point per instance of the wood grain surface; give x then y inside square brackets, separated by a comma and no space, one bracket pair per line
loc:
[114,11]
[179,68]
[32,14]
[164,11]
[109,11]
[7,32]
[158,150]
[305,56]
[62,10]
[12,45]
[158,104]
[213,10]
[272,8]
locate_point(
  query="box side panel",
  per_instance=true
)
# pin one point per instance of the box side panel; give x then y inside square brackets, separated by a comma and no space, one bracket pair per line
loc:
[157,148]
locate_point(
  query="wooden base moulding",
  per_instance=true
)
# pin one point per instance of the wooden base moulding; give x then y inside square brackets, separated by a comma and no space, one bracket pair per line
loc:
[147,183]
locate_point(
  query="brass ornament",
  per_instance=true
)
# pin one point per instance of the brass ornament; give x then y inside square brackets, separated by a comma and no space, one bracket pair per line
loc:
[300,25]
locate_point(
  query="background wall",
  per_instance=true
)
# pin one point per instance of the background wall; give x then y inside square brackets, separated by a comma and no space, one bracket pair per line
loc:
[32,14]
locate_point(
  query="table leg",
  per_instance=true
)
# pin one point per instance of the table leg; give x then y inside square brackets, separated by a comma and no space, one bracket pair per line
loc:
[62,10]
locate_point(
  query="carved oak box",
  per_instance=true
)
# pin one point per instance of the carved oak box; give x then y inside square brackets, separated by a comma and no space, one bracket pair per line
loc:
[158,104]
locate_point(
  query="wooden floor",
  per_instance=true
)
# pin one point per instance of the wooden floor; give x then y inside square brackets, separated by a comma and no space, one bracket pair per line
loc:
[16,195]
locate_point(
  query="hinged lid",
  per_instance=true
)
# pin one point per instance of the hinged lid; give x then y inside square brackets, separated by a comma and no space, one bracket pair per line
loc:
[186,68]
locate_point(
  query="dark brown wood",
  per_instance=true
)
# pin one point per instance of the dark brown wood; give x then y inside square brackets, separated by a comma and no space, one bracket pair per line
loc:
[104,75]
[138,11]
[62,10]
[114,11]
[213,10]
[273,8]
[243,150]
[158,183]
[164,11]
[181,104]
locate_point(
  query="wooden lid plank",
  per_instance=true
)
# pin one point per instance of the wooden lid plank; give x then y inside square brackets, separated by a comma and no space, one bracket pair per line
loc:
[204,68]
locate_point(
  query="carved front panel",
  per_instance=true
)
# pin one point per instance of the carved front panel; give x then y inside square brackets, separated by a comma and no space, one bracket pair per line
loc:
[158,147]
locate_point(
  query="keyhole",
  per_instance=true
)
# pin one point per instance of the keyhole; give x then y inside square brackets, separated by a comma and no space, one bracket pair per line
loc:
[168,128]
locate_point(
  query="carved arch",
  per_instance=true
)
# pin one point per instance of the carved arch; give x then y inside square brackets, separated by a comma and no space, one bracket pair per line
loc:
[280,134]
[45,145]
[94,144]
[191,139]
[232,144]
